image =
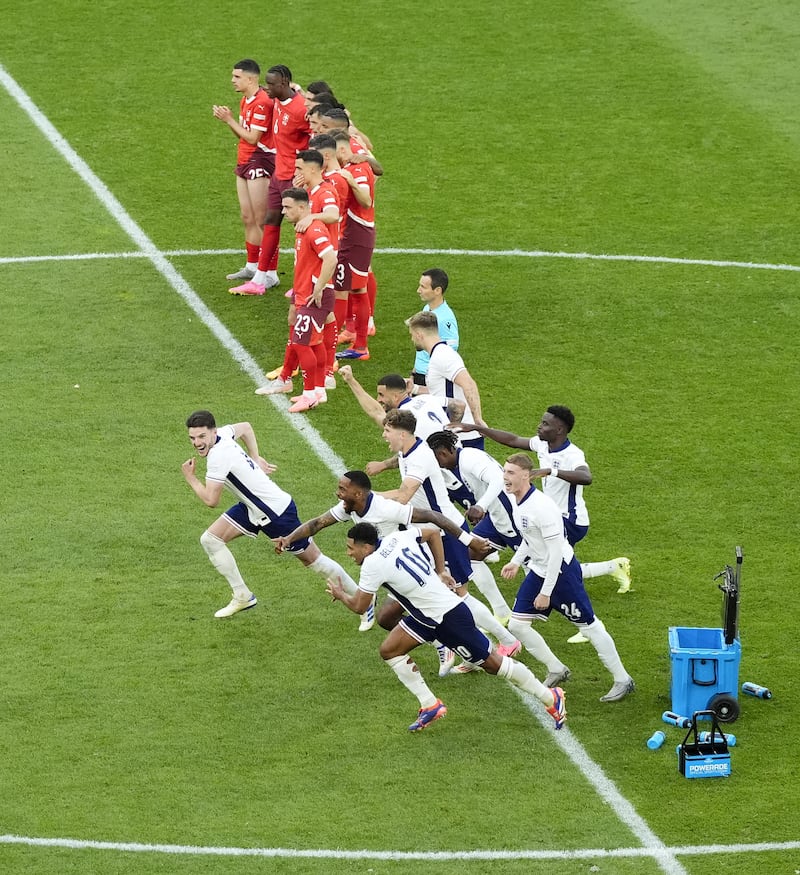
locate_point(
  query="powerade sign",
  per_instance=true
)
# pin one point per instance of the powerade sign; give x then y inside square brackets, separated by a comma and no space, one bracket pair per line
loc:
[707,767]
[697,770]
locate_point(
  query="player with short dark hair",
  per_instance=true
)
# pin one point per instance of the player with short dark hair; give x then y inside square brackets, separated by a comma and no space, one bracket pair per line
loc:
[358,503]
[262,506]
[255,160]
[315,263]
[476,483]
[356,246]
[291,134]
[401,563]
[432,286]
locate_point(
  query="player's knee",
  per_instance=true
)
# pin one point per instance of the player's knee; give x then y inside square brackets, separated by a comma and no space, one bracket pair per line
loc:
[387,652]
[211,543]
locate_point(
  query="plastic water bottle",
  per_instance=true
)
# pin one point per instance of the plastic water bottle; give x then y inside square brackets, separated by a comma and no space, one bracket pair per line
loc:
[656,740]
[676,719]
[756,690]
[728,736]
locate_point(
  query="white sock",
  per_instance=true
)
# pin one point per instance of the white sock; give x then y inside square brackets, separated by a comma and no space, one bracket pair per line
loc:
[535,644]
[410,677]
[260,278]
[485,619]
[606,649]
[327,567]
[521,676]
[598,569]
[483,578]
[222,559]
[252,265]
[272,275]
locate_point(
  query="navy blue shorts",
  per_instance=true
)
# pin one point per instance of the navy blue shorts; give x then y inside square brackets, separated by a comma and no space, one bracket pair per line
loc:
[574,532]
[478,443]
[285,524]
[456,555]
[568,597]
[457,631]
[461,496]
[486,529]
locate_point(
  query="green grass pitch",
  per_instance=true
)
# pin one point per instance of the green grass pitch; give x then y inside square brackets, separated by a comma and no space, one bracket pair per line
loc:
[629,129]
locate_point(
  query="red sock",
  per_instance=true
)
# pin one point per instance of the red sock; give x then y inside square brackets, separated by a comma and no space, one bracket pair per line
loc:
[372,291]
[340,312]
[361,307]
[329,337]
[253,250]
[289,361]
[308,365]
[319,352]
[269,247]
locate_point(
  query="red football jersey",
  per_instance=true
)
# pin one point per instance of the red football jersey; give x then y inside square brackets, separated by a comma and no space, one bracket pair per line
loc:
[356,147]
[255,114]
[322,197]
[343,193]
[291,133]
[309,247]
[364,177]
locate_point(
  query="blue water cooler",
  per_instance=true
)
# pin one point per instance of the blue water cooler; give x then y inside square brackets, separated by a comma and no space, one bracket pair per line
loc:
[705,662]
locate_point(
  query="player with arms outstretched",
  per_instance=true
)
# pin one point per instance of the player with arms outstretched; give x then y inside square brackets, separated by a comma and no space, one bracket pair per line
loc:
[262,505]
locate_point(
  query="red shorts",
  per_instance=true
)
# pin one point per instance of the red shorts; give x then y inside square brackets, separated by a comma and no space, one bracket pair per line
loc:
[275,192]
[259,166]
[355,257]
[308,324]
[326,304]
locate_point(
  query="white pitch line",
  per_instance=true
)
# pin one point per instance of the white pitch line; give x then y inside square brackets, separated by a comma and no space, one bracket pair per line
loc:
[476,253]
[605,788]
[435,856]
[147,249]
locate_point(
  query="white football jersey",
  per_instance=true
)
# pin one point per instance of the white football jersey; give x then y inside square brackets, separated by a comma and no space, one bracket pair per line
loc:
[540,523]
[482,474]
[568,496]
[405,567]
[444,366]
[383,513]
[448,331]
[420,464]
[228,463]
[429,411]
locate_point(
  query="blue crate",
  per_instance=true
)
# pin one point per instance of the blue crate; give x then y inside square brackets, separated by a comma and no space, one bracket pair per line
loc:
[703,666]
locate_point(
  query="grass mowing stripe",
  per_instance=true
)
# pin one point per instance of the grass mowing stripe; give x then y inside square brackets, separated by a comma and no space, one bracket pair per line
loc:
[475,253]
